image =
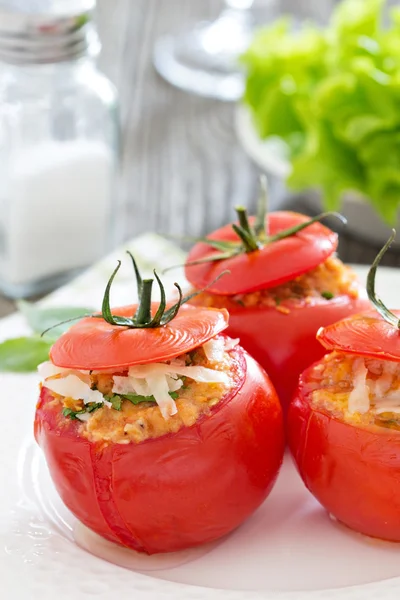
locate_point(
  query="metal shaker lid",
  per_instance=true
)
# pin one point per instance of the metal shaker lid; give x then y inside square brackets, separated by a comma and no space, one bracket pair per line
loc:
[46,31]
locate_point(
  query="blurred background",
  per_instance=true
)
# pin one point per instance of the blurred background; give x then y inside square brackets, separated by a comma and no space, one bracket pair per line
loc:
[183,158]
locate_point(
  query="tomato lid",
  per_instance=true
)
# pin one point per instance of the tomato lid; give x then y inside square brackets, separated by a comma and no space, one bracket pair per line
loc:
[138,334]
[376,333]
[92,343]
[275,262]
[366,334]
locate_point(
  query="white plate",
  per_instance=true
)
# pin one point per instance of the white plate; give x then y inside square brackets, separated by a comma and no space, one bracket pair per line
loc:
[288,550]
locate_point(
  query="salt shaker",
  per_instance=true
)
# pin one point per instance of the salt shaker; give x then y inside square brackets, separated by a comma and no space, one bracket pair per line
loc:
[58,146]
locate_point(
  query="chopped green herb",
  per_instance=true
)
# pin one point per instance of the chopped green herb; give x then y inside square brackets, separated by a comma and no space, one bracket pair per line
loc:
[72,414]
[68,412]
[327,295]
[88,408]
[115,400]
[137,399]
[185,385]
[93,406]
[240,302]
[277,300]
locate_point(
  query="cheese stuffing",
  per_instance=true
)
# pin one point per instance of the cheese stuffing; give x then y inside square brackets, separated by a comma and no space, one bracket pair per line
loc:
[144,401]
[357,389]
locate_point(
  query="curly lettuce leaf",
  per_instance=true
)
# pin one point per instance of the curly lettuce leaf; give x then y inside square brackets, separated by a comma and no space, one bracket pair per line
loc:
[333,96]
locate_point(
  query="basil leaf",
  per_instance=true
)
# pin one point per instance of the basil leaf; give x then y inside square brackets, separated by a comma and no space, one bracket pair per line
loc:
[136,399]
[327,295]
[23,354]
[115,400]
[40,319]
[91,406]
[88,408]
[72,414]
[68,412]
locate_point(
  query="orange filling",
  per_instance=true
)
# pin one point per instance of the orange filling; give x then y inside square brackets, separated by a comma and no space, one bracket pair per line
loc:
[358,390]
[330,279]
[139,422]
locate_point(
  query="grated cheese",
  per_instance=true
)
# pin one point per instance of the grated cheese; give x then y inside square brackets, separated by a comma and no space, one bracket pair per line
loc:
[359,396]
[158,379]
[158,385]
[214,350]
[231,343]
[73,387]
[200,374]
[155,379]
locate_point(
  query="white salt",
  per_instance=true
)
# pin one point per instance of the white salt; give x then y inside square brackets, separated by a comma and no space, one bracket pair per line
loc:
[57,202]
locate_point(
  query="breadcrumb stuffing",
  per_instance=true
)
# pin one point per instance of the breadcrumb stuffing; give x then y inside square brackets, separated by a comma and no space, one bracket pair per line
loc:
[138,422]
[330,279]
[332,381]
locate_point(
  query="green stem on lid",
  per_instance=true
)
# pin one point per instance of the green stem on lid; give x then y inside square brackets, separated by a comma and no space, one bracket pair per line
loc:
[248,239]
[143,313]
[385,313]
[243,220]
[297,228]
[142,319]
[252,238]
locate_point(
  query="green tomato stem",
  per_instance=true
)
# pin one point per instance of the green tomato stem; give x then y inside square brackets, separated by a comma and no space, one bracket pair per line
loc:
[385,313]
[143,313]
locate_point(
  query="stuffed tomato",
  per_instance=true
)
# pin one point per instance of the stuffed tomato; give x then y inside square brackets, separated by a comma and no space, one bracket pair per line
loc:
[344,423]
[158,437]
[284,283]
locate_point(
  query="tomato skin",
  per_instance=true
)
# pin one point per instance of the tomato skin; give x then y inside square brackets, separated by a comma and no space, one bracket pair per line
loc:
[285,344]
[266,267]
[367,334]
[353,472]
[179,490]
[92,343]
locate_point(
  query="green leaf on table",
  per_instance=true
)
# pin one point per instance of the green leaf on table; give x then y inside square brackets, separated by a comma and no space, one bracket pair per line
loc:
[40,318]
[23,354]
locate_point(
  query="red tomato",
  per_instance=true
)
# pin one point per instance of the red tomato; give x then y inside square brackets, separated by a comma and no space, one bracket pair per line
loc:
[175,491]
[94,344]
[366,334]
[285,344]
[353,471]
[272,265]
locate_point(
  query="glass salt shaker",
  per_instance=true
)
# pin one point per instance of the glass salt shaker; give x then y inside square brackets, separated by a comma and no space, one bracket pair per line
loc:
[58,146]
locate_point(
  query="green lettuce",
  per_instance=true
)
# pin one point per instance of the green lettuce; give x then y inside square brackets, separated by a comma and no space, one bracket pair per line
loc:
[333,95]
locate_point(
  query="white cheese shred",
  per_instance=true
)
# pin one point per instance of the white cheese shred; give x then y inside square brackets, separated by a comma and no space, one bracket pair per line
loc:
[156,379]
[359,396]
[158,384]
[214,350]
[231,343]
[73,387]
